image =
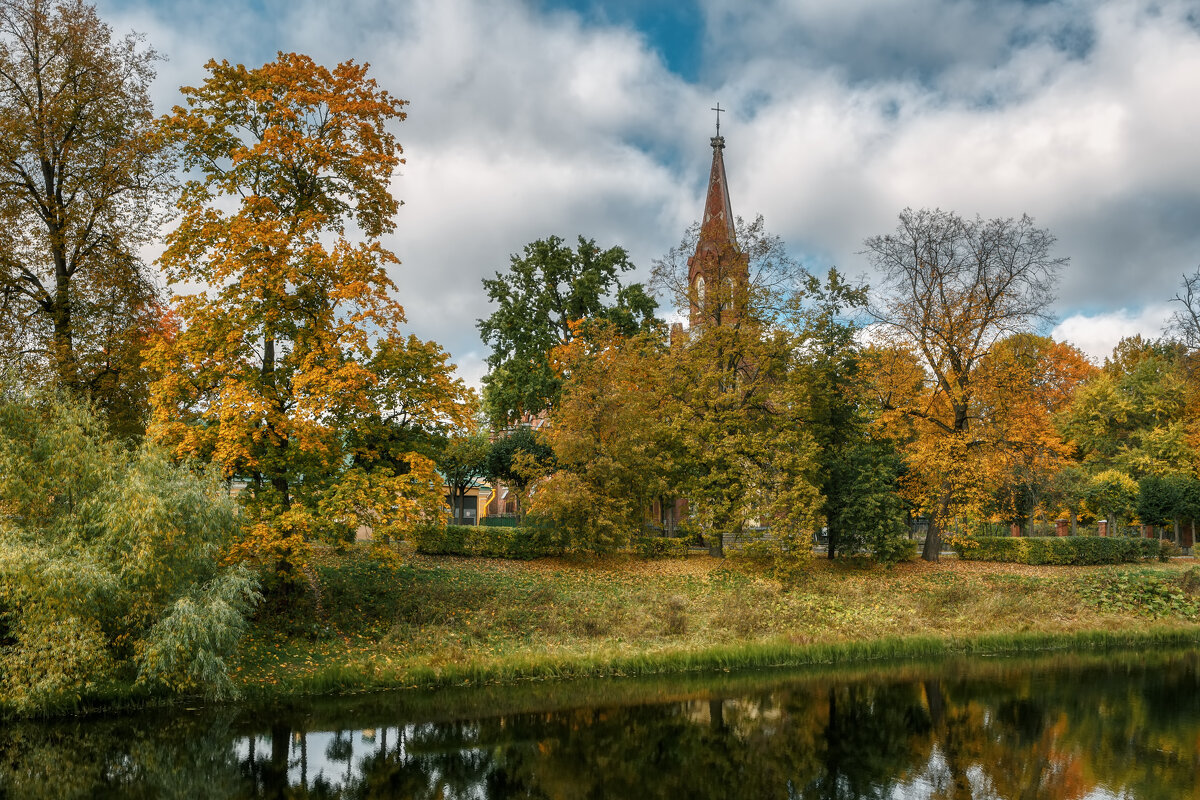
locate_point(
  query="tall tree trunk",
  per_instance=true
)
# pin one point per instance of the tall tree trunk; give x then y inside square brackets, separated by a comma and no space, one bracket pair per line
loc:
[933,537]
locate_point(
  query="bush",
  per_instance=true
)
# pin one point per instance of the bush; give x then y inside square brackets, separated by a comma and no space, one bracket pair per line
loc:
[108,564]
[482,541]
[1076,550]
[661,547]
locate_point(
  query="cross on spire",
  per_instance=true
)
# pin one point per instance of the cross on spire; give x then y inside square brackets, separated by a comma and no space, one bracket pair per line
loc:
[718,109]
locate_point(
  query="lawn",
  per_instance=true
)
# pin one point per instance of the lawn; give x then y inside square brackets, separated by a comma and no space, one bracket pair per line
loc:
[381,619]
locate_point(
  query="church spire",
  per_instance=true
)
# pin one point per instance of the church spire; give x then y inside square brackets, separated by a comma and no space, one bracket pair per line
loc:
[717,264]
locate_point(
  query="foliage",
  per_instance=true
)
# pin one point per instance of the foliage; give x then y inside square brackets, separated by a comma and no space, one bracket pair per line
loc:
[108,564]
[482,541]
[463,461]
[1114,494]
[612,450]
[82,175]
[287,371]
[518,458]
[1131,415]
[1059,549]
[1141,592]
[660,547]
[545,295]
[952,289]
[734,401]
[858,470]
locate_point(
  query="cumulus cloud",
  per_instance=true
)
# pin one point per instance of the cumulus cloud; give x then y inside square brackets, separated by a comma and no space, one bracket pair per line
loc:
[1097,334]
[529,119]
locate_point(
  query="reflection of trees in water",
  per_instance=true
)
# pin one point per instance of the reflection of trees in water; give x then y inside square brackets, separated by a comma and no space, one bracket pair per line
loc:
[1020,734]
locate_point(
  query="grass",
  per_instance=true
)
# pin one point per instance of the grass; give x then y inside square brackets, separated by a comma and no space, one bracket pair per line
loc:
[389,622]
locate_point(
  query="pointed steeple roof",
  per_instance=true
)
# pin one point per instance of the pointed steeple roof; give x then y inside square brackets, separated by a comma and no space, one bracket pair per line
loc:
[716,228]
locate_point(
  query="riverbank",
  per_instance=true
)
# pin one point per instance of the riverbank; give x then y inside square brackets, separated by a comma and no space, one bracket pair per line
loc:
[419,622]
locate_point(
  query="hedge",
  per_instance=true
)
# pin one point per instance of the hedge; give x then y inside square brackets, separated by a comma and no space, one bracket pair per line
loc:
[488,542]
[1078,550]
[660,547]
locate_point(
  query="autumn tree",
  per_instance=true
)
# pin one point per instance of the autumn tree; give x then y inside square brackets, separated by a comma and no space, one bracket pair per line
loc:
[1024,383]
[613,451]
[82,176]
[952,288]
[546,290]
[293,340]
[733,393]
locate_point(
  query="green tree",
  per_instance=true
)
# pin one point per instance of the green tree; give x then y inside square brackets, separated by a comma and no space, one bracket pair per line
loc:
[518,458]
[1131,416]
[857,472]
[108,563]
[82,181]
[545,293]
[463,462]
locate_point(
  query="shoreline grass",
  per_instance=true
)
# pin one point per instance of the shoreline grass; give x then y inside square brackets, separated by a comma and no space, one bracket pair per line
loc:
[388,621]
[370,677]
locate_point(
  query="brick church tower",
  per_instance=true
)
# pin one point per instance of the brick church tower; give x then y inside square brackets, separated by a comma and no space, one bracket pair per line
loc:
[718,272]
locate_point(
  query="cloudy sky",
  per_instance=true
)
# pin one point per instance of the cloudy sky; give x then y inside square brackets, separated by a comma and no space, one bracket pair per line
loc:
[538,117]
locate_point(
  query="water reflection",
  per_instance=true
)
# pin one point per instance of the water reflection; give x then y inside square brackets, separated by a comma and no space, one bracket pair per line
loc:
[1112,726]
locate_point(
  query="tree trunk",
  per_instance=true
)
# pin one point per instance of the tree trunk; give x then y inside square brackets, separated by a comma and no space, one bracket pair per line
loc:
[933,537]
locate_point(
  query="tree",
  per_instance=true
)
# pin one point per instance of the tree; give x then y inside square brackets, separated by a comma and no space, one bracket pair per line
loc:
[1024,382]
[546,291]
[734,397]
[1131,416]
[1185,321]
[856,468]
[108,563]
[82,174]
[518,458]
[613,454]
[952,288]
[464,460]
[293,341]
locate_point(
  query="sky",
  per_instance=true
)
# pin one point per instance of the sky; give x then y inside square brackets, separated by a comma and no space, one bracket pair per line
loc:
[531,118]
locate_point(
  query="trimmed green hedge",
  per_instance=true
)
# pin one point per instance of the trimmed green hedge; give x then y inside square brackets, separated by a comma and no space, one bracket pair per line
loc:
[1077,550]
[660,547]
[488,542]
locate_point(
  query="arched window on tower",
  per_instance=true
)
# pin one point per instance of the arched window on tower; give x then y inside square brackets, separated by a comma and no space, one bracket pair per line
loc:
[700,292]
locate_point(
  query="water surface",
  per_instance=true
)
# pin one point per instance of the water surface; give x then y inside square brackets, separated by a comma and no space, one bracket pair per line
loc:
[1064,727]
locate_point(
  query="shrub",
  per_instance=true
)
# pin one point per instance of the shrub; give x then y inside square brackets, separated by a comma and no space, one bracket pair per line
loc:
[661,547]
[108,564]
[486,542]
[1076,550]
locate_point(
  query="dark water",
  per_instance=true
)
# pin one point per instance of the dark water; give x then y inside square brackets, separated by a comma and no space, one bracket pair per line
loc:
[1118,725]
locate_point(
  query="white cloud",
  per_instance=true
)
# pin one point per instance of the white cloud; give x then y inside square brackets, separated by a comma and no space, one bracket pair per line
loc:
[526,123]
[1097,334]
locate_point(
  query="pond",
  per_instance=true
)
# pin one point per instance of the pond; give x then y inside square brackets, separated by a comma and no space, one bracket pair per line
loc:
[1066,726]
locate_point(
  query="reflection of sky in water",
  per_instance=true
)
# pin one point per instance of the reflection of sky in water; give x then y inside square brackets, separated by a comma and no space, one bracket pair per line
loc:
[333,758]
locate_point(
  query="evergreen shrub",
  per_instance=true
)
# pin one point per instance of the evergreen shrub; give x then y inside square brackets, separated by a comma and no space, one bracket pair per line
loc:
[486,542]
[661,547]
[1075,550]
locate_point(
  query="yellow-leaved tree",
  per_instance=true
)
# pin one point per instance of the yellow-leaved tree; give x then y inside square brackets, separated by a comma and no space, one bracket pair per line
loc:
[289,359]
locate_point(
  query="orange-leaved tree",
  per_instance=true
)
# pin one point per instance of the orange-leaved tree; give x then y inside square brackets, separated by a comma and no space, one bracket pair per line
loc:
[271,365]
[953,288]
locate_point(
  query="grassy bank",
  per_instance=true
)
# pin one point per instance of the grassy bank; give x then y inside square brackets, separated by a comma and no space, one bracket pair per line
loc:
[386,622]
